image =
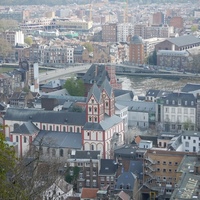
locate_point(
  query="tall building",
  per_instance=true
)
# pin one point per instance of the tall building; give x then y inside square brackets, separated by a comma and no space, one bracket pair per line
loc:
[109,32]
[136,50]
[176,22]
[158,18]
[123,31]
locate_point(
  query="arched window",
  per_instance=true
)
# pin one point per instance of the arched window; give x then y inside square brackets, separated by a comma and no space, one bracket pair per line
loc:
[61,152]
[92,147]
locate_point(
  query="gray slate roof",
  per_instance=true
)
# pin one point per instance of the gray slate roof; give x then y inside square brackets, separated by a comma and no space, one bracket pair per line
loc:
[26,128]
[96,73]
[180,98]
[55,139]
[95,92]
[126,178]
[138,106]
[86,154]
[105,124]
[190,87]
[107,87]
[43,116]
[108,167]
[184,40]
[136,167]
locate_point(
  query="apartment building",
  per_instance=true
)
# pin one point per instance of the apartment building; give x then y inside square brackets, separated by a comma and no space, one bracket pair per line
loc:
[160,168]
[176,110]
[136,50]
[88,163]
[158,18]
[109,32]
[123,31]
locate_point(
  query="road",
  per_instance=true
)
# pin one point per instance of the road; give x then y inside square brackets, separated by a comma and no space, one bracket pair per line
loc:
[61,73]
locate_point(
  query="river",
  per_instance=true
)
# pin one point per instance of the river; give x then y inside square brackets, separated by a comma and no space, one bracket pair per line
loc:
[140,85]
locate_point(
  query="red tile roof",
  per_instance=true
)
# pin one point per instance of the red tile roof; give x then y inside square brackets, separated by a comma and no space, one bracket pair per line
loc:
[89,193]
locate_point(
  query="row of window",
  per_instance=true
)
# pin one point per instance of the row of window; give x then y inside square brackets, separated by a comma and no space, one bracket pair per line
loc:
[179,110]
[165,163]
[179,102]
[165,170]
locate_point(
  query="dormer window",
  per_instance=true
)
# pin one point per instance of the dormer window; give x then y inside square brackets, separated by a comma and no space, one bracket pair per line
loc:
[179,102]
[173,102]
[192,103]
[185,103]
[167,101]
[92,100]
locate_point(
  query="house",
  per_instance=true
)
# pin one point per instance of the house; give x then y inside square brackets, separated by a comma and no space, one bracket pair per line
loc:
[107,173]
[176,111]
[191,88]
[21,99]
[88,164]
[127,182]
[52,86]
[152,95]
[122,196]
[23,135]
[140,114]
[59,190]
[56,145]
[89,193]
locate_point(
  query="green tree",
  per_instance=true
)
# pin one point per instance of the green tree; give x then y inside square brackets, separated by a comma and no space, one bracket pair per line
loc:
[5,48]
[75,87]
[194,28]
[8,24]
[28,40]
[88,46]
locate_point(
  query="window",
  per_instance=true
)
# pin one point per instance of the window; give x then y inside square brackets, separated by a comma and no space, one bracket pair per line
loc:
[194,141]
[164,170]
[173,110]
[90,119]
[87,182]
[185,111]
[173,102]
[64,129]
[170,170]
[70,129]
[88,134]
[50,127]
[43,127]
[92,100]
[184,137]
[92,147]
[57,128]
[24,139]
[192,103]
[179,111]
[95,110]
[158,169]
[176,163]
[185,103]
[61,152]
[173,126]
[186,144]
[192,111]
[90,109]
[17,138]
[158,162]
[167,101]
[164,162]
[95,119]
[167,110]
[53,152]
[188,137]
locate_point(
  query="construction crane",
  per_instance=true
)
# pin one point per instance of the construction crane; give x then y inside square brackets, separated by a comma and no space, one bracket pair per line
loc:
[126,12]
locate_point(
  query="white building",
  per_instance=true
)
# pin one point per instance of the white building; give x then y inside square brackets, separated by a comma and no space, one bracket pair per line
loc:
[19,37]
[123,31]
[60,190]
[145,144]
[177,111]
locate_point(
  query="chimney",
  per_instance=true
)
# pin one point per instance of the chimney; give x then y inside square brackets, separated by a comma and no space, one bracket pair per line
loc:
[96,70]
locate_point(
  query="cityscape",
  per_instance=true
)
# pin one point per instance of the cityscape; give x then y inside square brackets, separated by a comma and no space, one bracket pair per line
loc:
[100,100]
